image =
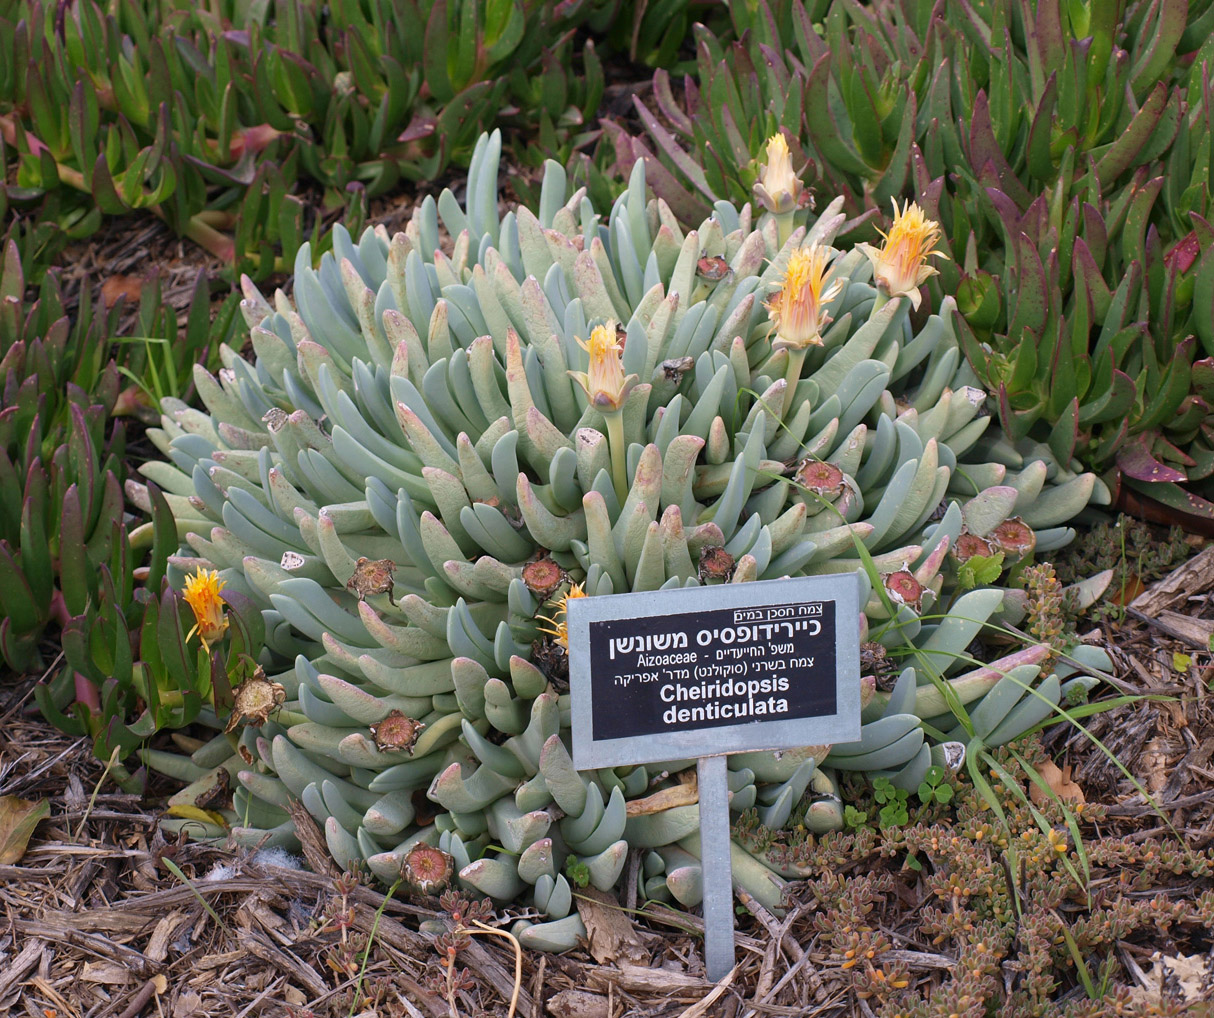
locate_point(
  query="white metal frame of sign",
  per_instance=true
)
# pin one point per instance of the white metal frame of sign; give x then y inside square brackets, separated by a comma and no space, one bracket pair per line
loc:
[761,606]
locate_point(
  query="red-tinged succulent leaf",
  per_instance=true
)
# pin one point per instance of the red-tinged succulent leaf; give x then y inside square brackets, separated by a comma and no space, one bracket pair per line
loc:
[1136,460]
[668,144]
[1204,231]
[1065,433]
[1184,252]
[1168,504]
[984,150]
[1120,398]
[668,105]
[1030,309]
[1123,153]
[74,566]
[1203,462]
[1203,378]
[1192,413]
[1165,450]
[823,129]
[1089,280]
[1048,38]
[1015,422]
[1010,219]
[1040,162]
[979,300]
[1165,401]
[1203,301]
[1165,33]
[105,194]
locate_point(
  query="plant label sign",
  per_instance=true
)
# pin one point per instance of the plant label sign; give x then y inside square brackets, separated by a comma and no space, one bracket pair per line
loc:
[707,671]
[701,671]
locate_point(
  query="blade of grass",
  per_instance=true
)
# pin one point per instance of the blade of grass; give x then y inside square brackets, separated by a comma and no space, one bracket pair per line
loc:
[173,868]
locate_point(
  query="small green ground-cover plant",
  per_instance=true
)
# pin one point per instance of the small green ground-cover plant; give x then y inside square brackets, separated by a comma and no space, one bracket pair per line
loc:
[1065,148]
[1031,915]
[436,445]
[210,116]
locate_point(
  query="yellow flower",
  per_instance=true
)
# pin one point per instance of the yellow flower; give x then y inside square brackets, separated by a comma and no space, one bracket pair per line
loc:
[605,384]
[797,307]
[557,627]
[778,189]
[900,266]
[202,595]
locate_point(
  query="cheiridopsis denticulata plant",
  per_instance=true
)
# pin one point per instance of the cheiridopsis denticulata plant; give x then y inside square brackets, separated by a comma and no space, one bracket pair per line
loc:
[422,457]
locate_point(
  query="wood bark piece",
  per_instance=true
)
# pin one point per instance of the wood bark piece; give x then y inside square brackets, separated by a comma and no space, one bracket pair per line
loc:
[20,966]
[578,1004]
[1192,577]
[639,979]
[258,945]
[63,928]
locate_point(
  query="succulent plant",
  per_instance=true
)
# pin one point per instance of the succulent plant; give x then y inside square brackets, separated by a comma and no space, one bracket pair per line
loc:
[436,446]
[209,116]
[1063,148]
[61,460]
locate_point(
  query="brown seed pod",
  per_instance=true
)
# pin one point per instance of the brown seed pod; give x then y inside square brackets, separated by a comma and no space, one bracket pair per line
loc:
[819,477]
[676,368]
[1013,537]
[427,868]
[968,545]
[371,577]
[715,564]
[903,588]
[542,577]
[397,732]
[875,662]
[712,268]
[255,700]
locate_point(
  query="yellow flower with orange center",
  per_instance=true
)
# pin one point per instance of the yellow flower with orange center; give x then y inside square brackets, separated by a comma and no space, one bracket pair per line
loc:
[900,265]
[605,384]
[202,595]
[557,627]
[798,307]
[778,189]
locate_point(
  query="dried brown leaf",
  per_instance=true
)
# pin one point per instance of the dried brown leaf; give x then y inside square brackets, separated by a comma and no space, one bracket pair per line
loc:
[1060,783]
[667,798]
[610,931]
[130,287]
[577,1004]
[18,818]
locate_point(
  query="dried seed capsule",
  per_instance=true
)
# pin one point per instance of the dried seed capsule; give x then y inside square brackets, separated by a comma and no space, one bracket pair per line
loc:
[968,545]
[819,477]
[1014,537]
[255,700]
[903,588]
[427,868]
[371,577]
[542,577]
[715,564]
[397,732]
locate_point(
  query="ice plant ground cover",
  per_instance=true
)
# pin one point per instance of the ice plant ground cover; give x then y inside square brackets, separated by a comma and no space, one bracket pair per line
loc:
[431,443]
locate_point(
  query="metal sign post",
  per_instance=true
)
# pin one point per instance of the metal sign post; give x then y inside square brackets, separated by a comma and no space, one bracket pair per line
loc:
[715,866]
[701,672]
